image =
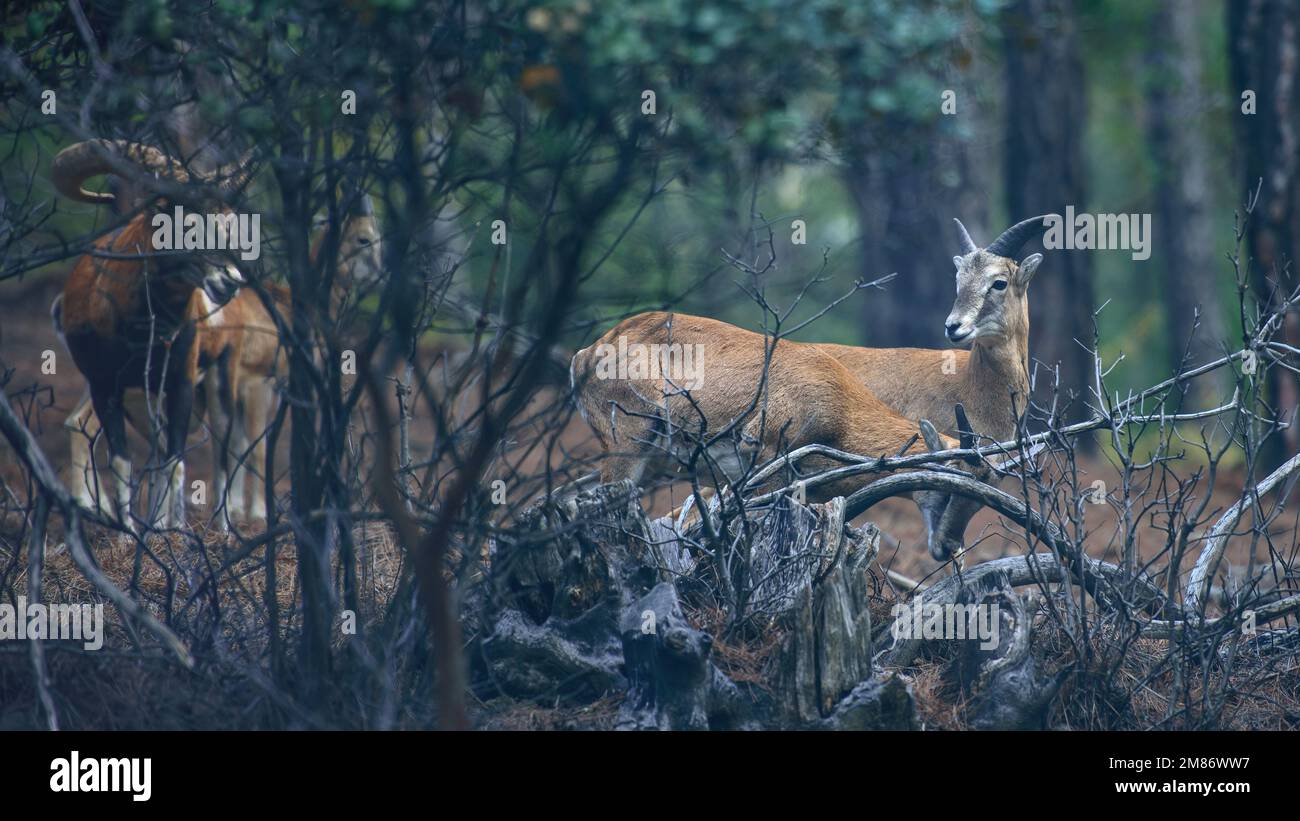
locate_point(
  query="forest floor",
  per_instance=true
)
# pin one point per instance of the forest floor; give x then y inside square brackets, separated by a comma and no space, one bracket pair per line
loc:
[26,333]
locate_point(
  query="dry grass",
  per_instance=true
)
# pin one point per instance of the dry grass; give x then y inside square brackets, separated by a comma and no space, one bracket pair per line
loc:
[131,683]
[508,714]
[743,658]
[1150,684]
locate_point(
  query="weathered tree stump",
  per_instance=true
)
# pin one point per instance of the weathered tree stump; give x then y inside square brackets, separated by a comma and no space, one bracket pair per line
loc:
[827,647]
[672,684]
[557,590]
[883,702]
[1009,690]
[582,599]
[808,579]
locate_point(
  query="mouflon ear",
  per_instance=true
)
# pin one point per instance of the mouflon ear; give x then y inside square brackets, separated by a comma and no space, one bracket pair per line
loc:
[931,436]
[965,434]
[1027,267]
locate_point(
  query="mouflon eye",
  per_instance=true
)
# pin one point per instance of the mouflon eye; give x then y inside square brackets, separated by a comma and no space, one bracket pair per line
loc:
[364,241]
[1000,285]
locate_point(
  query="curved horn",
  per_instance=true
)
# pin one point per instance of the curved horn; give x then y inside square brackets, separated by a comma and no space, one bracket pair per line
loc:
[78,162]
[1014,238]
[967,244]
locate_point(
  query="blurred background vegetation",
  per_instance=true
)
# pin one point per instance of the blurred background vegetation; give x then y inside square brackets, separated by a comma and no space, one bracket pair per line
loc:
[831,112]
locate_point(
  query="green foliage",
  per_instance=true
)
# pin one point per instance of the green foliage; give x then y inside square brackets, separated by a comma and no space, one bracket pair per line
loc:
[760,106]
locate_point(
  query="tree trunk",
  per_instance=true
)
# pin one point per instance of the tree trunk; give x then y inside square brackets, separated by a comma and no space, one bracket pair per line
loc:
[905,193]
[1264,51]
[1183,235]
[1044,171]
[306,450]
[907,190]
